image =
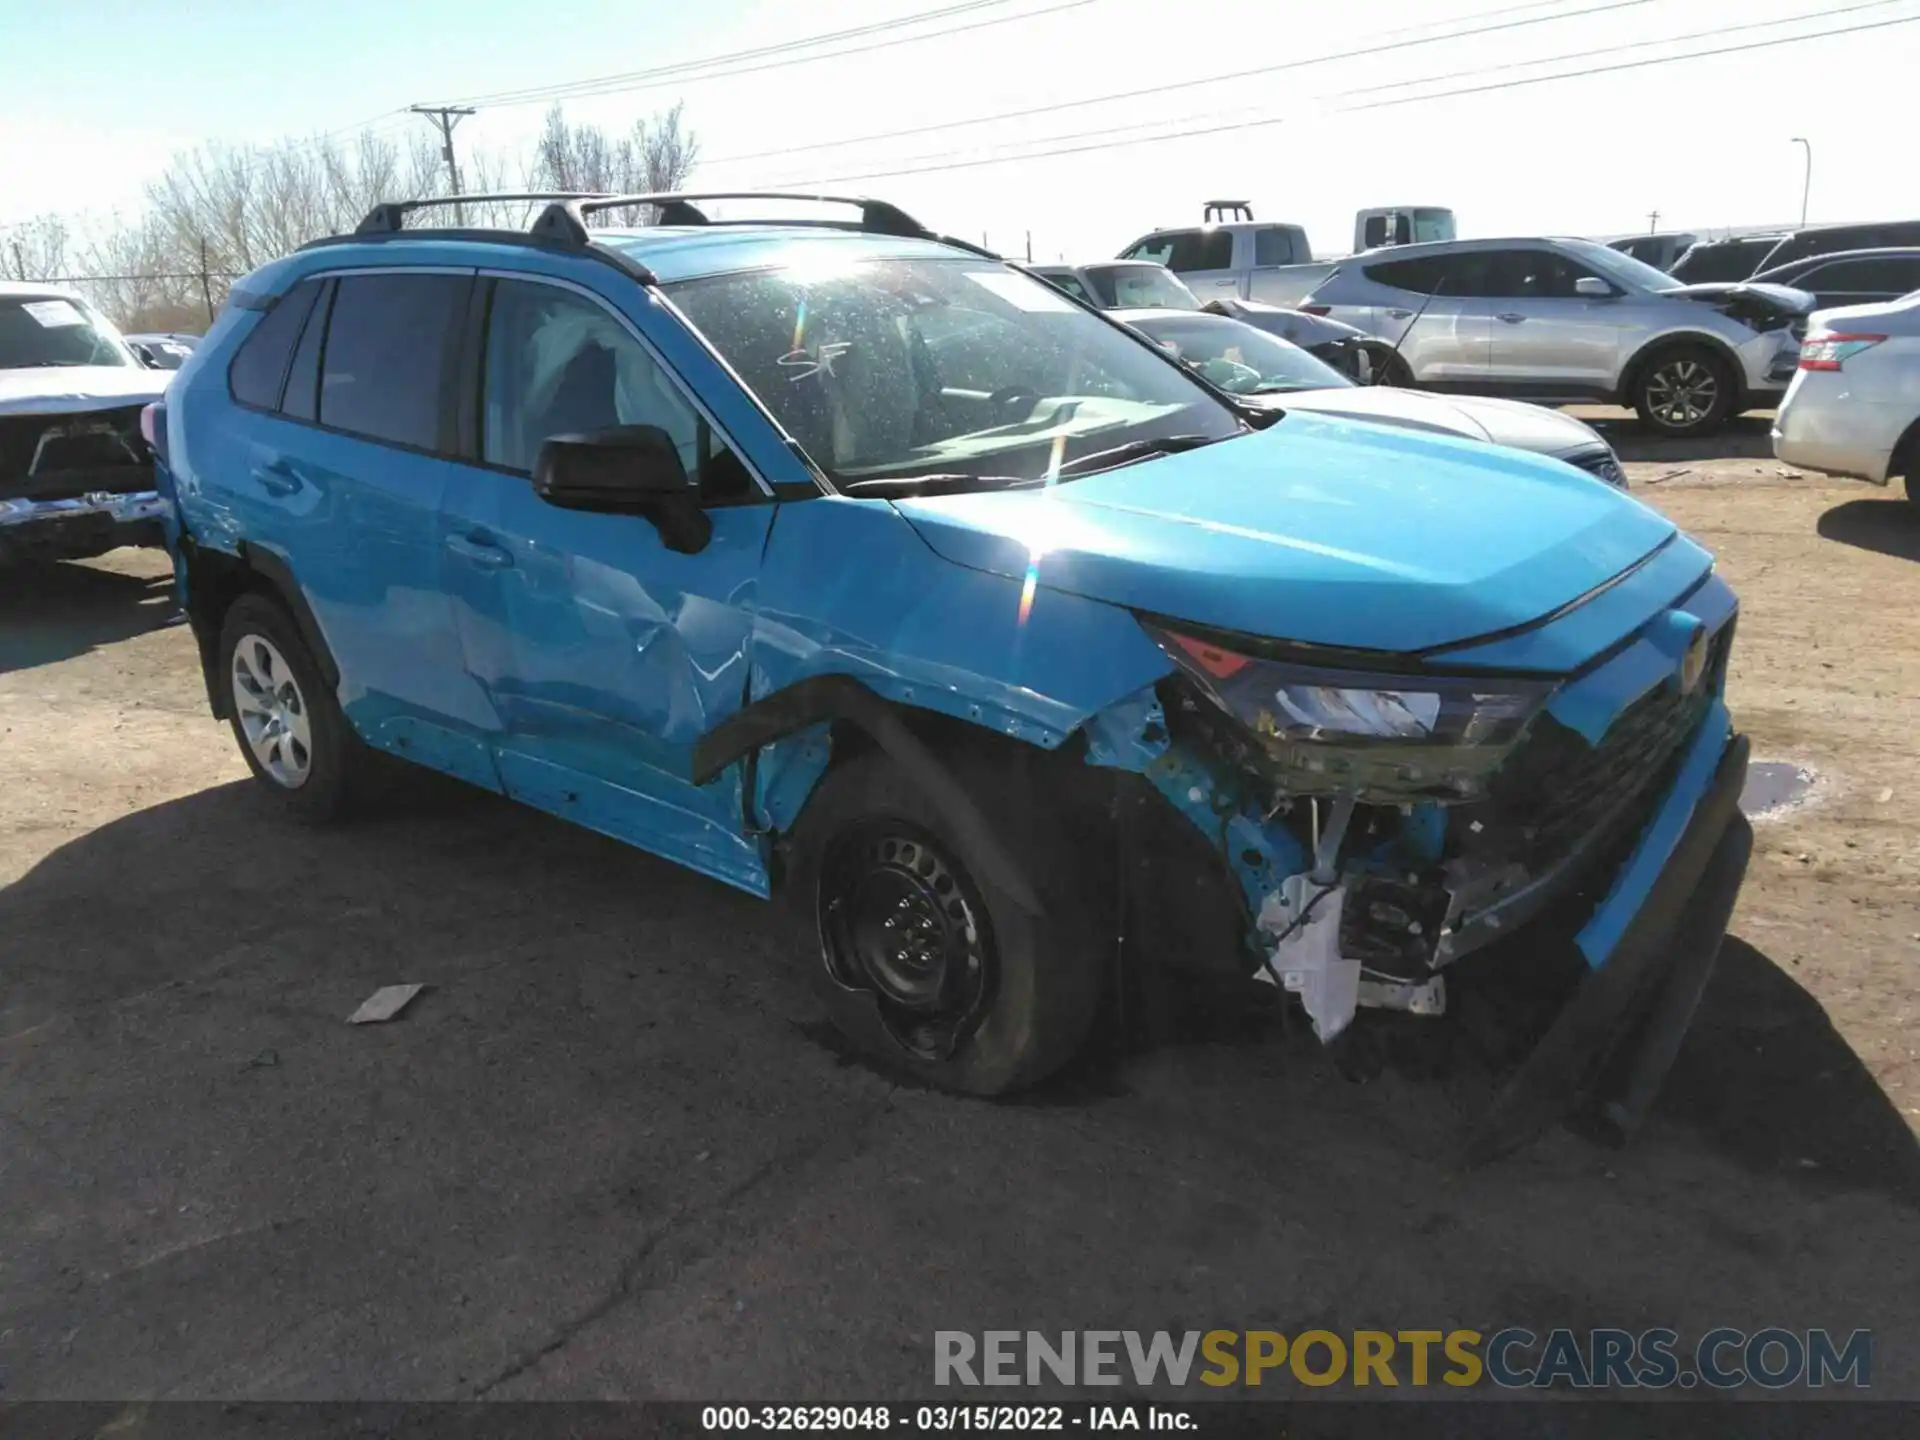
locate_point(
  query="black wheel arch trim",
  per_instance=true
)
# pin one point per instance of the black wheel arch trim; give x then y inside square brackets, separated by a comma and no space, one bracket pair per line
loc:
[841,697]
[216,579]
[1630,374]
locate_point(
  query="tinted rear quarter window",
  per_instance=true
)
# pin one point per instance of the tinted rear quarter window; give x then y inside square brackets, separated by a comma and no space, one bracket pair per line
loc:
[1277,245]
[1420,276]
[383,370]
[1201,250]
[302,398]
[259,366]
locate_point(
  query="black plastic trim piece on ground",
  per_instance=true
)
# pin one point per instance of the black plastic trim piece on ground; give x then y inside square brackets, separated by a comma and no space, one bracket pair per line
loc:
[1672,943]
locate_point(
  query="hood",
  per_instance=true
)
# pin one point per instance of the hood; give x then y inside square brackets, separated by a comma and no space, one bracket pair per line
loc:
[1764,306]
[69,389]
[1318,530]
[1296,326]
[1502,422]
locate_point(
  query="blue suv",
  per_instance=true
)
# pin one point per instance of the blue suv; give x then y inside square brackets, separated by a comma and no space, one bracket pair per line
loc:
[851,566]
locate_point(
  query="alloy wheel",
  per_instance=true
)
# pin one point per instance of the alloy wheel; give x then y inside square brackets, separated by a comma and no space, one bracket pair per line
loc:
[1682,392]
[272,711]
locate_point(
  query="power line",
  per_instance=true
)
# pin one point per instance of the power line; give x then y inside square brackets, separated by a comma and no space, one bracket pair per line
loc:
[678,74]
[935,163]
[1172,86]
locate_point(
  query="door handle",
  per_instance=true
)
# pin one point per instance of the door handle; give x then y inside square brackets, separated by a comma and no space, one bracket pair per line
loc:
[276,479]
[1226,284]
[1510,318]
[481,548]
[1398,314]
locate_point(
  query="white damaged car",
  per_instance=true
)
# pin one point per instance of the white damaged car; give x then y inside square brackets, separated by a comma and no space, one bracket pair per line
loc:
[76,475]
[1267,370]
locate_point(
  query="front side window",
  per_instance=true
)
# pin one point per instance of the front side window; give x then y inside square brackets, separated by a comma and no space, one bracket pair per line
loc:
[56,330]
[1141,287]
[897,369]
[1623,270]
[385,355]
[1239,358]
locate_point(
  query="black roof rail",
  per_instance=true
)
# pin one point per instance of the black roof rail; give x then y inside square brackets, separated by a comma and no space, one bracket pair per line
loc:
[1217,209]
[391,215]
[566,217]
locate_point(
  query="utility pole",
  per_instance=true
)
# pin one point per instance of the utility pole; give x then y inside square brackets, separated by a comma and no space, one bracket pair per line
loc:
[444,118]
[19,260]
[1653,221]
[206,282]
[1029,247]
[1806,184]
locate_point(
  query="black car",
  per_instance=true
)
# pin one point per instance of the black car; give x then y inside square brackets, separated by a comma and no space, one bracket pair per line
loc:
[1716,262]
[1851,277]
[1352,352]
[1832,239]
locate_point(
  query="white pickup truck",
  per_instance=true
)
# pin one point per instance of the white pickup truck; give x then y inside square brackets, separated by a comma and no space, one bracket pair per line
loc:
[1231,255]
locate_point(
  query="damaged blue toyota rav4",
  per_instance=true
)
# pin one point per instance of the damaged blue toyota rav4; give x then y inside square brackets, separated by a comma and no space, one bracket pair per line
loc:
[853,567]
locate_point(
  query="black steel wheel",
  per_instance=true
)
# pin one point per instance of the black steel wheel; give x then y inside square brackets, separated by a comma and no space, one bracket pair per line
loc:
[899,919]
[965,950]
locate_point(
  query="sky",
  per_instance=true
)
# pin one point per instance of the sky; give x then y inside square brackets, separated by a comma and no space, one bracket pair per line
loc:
[97,96]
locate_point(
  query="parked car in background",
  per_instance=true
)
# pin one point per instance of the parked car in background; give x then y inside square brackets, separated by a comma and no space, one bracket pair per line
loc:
[1567,321]
[847,564]
[1715,261]
[1850,277]
[1831,239]
[1270,371]
[1659,250]
[1854,405]
[1243,259]
[162,352]
[76,474]
[1354,353]
[1107,283]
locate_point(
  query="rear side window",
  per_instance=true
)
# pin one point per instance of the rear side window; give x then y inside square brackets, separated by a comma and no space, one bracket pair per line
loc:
[1896,276]
[1201,250]
[383,371]
[1421,276]
[302,398]
[259,366]
[1278,245]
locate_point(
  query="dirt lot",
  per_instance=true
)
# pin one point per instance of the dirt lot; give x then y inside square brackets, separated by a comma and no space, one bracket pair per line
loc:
[599,1158]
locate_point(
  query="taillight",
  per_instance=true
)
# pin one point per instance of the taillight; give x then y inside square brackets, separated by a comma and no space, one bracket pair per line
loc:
[153,428]
[1828,350]
[1316,309]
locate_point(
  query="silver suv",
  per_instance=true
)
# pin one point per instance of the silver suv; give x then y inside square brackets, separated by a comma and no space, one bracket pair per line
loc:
[1566,321]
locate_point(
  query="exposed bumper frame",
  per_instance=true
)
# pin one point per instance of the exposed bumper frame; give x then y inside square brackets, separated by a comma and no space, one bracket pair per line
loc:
[44,529]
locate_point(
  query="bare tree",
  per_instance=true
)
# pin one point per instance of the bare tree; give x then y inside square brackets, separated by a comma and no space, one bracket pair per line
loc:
[218,212]
[35,249]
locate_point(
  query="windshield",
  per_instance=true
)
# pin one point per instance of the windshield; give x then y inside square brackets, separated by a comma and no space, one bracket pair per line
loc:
[1141,287]
[38,330]
[961,369]
[1623,269]
[1706,264]
[1239,358]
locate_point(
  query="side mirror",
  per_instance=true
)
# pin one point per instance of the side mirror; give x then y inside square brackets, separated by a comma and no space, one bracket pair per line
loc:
[625,470]
[1592,287]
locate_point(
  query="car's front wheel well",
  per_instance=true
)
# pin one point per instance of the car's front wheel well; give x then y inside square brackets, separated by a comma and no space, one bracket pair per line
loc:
[1637,367]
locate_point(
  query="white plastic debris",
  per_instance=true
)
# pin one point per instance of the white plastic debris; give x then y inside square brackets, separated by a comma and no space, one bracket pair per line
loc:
[1306,960]
[385,1003]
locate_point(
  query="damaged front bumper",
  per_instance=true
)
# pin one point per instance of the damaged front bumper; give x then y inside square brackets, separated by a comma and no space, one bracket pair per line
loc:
[79,527]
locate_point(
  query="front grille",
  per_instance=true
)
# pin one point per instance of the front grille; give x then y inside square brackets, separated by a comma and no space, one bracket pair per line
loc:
[62,457]
[1557,791]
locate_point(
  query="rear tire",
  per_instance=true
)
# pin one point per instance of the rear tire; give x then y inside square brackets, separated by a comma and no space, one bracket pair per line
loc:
[285,718]
[924,964]
[1685,391]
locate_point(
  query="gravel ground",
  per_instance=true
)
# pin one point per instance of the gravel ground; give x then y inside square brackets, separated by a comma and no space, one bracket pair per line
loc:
[602,1157]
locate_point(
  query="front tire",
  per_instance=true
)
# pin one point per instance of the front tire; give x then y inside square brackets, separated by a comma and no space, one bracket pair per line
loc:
[1685,392]
[925,965]
[290,729]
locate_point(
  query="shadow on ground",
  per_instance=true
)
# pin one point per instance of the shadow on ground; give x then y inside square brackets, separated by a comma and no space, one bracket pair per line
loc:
[51,612]
[602,1155]
[1887,526]
[1746,438]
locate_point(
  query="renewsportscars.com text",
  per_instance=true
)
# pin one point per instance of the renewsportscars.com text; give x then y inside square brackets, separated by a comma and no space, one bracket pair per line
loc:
[1772,1358]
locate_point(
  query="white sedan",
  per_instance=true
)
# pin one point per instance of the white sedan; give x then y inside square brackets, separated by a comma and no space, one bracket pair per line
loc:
[1267,370]
[1854,405]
